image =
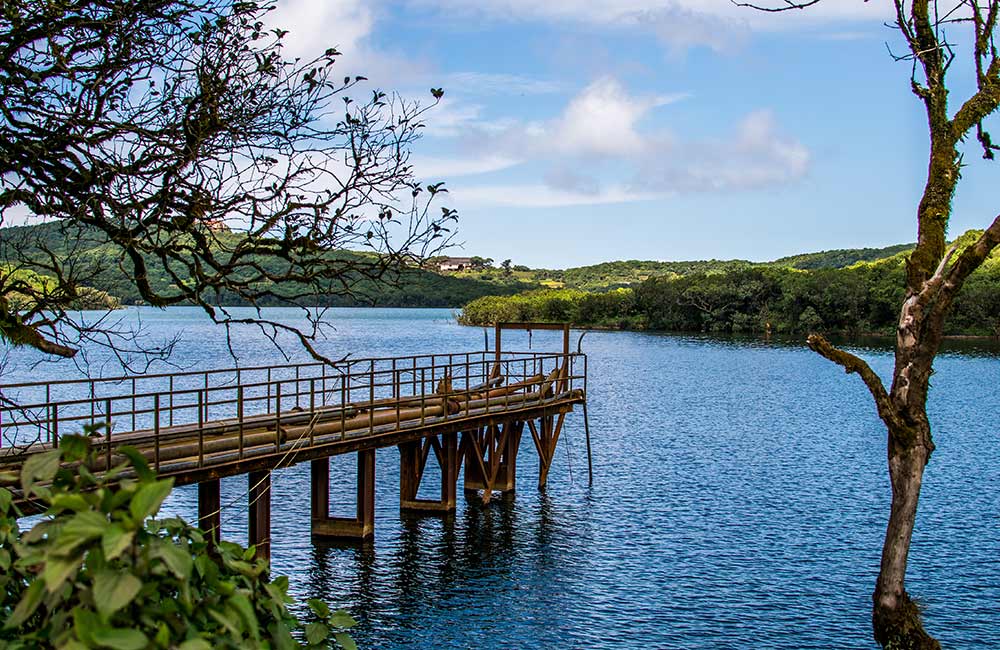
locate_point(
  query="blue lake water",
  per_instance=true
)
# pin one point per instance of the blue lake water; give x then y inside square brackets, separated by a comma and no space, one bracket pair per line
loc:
[739,501]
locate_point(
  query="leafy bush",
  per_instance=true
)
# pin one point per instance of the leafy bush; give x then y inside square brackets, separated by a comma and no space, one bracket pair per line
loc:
[99,571]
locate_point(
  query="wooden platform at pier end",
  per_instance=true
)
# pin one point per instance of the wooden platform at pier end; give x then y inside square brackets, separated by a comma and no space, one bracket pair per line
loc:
[465,409]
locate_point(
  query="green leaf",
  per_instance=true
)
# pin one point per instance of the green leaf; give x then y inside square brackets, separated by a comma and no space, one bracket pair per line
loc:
[121,639]
[114,590]
[316,633]
[57,570]
[29,602]
[115,540]
[319,607]
[74,502]
[74,447]
[178,560]
[147,500]
[138,462]
[79,529]
[342,619]
[39,467]
[244,609]
[6,499]
[345,641]
[195,644]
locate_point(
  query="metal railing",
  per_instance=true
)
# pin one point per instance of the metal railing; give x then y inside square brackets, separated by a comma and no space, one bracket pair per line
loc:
[236,412]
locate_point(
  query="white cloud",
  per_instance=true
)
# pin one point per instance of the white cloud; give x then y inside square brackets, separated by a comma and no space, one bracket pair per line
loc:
[485,83]
[756,155]
[543,196]
[717,24]
[432,168]
[601,143]
[315,26]
[602,120]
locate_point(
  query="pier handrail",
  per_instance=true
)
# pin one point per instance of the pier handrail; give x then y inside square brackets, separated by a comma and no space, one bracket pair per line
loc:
[273,409]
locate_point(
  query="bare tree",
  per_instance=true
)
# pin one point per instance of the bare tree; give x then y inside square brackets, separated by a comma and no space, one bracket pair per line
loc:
[934,275]
[176,135]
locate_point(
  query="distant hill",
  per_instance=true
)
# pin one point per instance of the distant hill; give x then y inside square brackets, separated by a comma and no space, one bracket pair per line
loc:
[99,262]
[419,287]
[840,258]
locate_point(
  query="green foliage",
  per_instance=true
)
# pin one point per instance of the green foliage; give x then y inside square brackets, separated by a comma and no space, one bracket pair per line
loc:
[99,571]
[862,298]
[409,287]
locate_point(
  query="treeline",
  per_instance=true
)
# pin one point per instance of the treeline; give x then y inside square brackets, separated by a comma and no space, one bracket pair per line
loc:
[861,299]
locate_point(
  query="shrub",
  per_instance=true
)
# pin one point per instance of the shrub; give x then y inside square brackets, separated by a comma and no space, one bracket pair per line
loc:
[99,571]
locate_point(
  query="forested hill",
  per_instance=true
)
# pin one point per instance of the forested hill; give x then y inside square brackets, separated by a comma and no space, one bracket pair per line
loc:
[423,288]
[86,249]
[841,258]
[836,292]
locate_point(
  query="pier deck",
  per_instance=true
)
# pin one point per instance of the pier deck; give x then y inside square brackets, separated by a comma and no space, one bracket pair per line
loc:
[461,409]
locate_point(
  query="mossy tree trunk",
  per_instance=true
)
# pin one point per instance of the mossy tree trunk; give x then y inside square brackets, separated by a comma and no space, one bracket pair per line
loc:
[934,277]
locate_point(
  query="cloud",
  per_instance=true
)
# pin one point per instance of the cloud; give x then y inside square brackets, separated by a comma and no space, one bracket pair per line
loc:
[680,24]
[309,24]
[485,83]
[605,147]
[433,168]
[543,196]
[756,155]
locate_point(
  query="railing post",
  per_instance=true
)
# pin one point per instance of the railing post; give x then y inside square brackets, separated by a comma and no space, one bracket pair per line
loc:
[133,403]
[239,416]
[156,432]
[277,417]
[55,425]
[170,412]
[107,425]
[201,429]
[343,402]
[371,398]
[312,411]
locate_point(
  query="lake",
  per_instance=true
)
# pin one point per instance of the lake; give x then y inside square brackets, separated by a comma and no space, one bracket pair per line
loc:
[739,500]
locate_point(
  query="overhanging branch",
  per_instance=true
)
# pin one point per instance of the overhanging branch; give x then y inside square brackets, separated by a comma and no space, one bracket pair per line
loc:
[852,364]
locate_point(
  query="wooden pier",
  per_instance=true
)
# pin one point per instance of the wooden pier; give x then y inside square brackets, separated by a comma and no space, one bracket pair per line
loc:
[466,412]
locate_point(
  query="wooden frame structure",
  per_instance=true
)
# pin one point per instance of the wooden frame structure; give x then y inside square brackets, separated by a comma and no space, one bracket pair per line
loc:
[466,412]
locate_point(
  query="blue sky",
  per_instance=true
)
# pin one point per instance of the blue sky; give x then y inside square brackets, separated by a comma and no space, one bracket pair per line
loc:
[578,131]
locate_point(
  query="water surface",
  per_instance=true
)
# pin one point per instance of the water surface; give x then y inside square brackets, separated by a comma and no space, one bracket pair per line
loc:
[739,501]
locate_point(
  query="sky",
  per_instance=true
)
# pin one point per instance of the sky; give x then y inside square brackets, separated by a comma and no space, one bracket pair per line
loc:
[578,131]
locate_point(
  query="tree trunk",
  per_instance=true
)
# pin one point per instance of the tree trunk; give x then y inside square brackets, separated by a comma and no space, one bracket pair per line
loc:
[896,619]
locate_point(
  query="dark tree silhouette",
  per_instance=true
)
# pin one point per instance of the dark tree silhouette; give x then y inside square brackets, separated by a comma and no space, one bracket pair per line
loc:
[176,134]
[934,273]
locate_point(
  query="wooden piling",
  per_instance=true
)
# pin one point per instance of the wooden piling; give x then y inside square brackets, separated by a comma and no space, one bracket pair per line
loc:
[210,507]
[362,525]
[413,457]
[260,513]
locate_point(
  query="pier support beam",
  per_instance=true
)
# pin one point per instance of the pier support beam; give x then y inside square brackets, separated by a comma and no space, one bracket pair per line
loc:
[362,526]
[260,512]
[490,456]
[412,463]
[210,507]
[546,437]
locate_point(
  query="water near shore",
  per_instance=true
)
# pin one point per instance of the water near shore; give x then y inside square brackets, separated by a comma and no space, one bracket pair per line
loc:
[739,502]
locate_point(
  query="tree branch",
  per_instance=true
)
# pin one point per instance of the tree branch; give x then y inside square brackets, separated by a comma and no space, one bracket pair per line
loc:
[852,364]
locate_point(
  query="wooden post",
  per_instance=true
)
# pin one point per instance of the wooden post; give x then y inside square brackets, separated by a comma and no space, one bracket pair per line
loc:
[209,507]
[366,492]
[320,489]
[475,477]
[449,470]
[362,525]
[260,513]
[507,474]
[413,457]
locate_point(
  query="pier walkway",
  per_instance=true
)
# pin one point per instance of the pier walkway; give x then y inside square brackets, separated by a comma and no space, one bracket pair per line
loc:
[466,409]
